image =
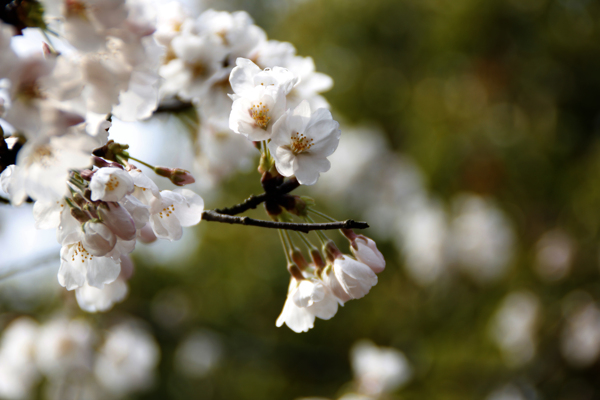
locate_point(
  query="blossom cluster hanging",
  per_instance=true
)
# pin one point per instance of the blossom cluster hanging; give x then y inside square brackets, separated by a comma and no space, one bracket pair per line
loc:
[126,60]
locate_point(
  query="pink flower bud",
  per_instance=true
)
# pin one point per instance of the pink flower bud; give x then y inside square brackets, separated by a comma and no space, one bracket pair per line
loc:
[178,176]
[98,239]
[118,220]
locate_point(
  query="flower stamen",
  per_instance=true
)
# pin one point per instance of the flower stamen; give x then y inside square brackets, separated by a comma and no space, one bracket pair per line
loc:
[259,114]
[300,143]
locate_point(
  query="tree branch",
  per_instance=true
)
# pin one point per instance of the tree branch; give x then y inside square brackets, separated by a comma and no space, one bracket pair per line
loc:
[254,200]
[214,215]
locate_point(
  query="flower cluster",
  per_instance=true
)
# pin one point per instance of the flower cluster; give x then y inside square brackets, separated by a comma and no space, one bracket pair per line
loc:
[317,288]
[70,353]
[216,55]
[126,60]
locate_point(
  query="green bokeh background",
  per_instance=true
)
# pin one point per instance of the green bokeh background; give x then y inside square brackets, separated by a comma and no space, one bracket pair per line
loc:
[496,97]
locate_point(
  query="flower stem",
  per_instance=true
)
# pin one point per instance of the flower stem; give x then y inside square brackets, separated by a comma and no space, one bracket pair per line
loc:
[307,242]
[322,215]
[141,162]
[286,249]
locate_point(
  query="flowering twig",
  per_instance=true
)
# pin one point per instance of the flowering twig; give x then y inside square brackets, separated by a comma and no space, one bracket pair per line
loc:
[214,215]
[254,200]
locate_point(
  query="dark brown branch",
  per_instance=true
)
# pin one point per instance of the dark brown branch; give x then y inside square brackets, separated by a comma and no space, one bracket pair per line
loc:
[254,200]
[213,215]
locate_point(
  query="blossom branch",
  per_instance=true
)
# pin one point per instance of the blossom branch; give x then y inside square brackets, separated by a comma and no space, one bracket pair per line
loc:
[254,200]
[214,215]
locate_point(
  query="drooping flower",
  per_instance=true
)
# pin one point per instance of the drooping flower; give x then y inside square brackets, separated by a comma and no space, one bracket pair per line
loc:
[349,279]
[365,250]
[302,141]
[307,299]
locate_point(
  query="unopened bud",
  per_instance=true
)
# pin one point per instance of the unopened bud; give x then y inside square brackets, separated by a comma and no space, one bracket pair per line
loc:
[295,272]
[79,215]
[349,233]
[317,259]
[331,251]
[178,176]
[298,258]
[79,200]
[87,174]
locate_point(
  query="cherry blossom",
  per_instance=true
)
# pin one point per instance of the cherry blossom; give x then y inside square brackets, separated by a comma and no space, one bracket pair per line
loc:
[302,141]
[111,184]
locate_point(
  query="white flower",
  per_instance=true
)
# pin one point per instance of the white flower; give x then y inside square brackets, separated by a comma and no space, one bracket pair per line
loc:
[365,250]
[146,191]
[79,267]
[92,299]
[306,300]
[580,337]
[180,208]
[139,212]
[254,114]
[354,278]
[273,53]
[379,370]
[64,346]
[247,75]
[127,360]
[18,372]
[110,184]
[44,165]
[482,238]
[47,213]
[513,327]
[198,64]
[236,31]
[302,141]
[222,151]
[97,238]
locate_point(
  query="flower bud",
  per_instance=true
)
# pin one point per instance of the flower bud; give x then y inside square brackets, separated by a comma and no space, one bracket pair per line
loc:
[98,239]
[331,251]
[295,272]
[87,174]
[317,259]
[178,176]
[79,215]
[118,220]
[298,258]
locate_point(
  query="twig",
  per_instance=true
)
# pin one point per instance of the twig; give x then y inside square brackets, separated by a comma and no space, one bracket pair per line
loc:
[214,215]
[254,200]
